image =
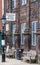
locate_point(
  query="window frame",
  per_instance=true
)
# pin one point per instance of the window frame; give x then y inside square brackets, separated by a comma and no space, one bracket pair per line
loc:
[34,30]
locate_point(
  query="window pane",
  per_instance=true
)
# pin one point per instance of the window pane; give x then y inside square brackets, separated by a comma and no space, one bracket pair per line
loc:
[23,2]
[34,29]
[7,4]
[14,28]
[33,0]
[34,10]
[23,27]
[13,39]
[33,39]
[34,26]
[39,6]
[13,3]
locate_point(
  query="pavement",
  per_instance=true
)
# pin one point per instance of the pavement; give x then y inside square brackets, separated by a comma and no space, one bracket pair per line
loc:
[14,62]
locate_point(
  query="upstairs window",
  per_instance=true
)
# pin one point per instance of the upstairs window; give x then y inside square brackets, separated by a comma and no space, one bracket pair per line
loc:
[34,26]
[34,30]
[33,0]
[23,27]
[24,2]
[13,3]
[14,28]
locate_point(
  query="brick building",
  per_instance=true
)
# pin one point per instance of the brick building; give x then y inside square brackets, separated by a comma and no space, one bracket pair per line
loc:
[0,13]
[0,22]
[24,31]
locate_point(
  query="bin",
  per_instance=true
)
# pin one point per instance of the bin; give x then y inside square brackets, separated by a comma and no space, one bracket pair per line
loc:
[3,57]
[19,53]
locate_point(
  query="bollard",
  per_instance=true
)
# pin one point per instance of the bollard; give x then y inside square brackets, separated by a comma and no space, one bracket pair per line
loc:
[3,57]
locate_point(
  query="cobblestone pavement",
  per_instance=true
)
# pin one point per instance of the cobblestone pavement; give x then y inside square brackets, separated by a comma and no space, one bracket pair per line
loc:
[14,62]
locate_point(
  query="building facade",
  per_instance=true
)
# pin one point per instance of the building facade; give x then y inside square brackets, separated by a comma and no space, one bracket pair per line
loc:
[0,14]
[23,31]
[0,23]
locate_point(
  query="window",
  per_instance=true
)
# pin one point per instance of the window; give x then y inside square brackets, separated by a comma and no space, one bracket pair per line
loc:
[7,4]
[24,2]
[14,29]
[33,0]
[34,29]
[34,10]
[23,27]
[13,3]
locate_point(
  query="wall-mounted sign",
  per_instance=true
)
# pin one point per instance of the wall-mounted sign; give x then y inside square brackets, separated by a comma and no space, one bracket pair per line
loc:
[7,27]
[3,42]
[10,16]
